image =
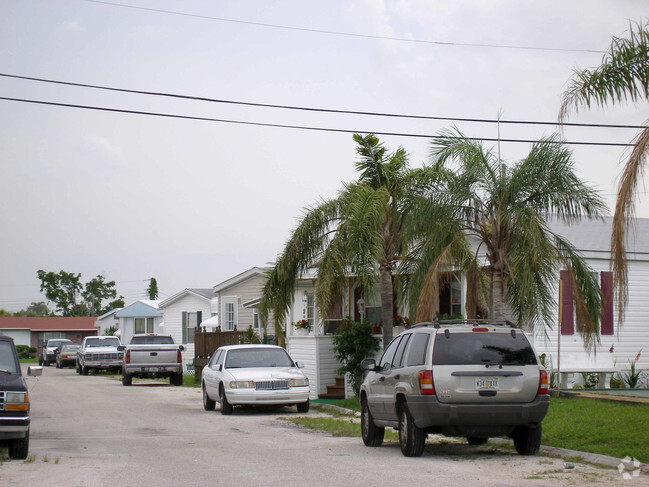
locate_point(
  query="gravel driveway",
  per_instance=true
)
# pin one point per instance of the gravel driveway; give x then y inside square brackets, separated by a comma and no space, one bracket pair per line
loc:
[92,431]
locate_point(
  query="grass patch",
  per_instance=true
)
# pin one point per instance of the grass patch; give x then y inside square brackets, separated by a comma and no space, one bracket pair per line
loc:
[337,426]
[609,428]
[32,360]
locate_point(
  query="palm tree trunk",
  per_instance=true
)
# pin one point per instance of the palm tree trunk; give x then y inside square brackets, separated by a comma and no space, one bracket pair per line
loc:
[387,298]
[497,296]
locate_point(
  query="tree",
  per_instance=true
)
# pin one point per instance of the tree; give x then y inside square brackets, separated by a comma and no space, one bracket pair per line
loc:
[152,290]
[358,233]
[63,289]
[480,208]
[623,76]
[35,309]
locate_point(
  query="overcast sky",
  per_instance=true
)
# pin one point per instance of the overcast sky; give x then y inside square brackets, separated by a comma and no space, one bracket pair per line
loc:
[193,203]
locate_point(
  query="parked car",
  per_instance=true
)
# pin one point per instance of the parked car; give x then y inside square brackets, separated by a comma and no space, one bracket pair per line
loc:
[253,375]
[475,379]
[152,356]
[99,353]
[14,400]
[50,350]
[67,355]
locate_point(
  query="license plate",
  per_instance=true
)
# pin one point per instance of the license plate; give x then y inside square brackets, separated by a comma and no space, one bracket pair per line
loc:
[486,383]
[151,369]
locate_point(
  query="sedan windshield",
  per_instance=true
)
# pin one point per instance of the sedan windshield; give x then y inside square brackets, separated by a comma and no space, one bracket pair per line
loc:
[257,357]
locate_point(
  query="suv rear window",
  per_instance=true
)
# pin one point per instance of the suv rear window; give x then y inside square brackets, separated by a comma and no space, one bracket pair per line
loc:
[478,348]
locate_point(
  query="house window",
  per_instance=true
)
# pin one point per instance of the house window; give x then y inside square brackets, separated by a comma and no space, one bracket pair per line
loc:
[229,313]
[566,306]
[310,309]
[139,326]
[191,321]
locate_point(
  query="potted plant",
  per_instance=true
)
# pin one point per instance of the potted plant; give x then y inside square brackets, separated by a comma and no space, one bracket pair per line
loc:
[302,327]
[399,324]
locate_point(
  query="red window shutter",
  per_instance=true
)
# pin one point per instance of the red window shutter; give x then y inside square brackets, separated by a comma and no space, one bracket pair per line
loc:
[567,320]
[606,279]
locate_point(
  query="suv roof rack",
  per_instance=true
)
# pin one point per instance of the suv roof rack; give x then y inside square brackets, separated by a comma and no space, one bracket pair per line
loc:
[439,323]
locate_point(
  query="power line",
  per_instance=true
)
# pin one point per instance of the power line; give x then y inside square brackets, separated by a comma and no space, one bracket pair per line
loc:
[319,110]
[297,127]
[349,34]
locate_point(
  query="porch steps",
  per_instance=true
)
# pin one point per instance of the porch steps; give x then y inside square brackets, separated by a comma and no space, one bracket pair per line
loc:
[336,391]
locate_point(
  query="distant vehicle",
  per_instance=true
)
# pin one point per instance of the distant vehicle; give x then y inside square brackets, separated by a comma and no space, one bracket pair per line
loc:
[67,355]
[99,353]
[14,400]
[471,378]
[152,356]
[50,349]
[253,375]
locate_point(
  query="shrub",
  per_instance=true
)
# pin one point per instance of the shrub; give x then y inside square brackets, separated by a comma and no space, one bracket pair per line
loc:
[25,351]
[352,343]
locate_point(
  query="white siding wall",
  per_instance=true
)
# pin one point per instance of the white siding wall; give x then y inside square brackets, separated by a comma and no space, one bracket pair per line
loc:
[173,320]
[245,291]
[627,340]
[21,337]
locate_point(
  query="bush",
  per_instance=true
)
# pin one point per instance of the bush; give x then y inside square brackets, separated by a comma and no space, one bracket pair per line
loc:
[352,343]
[25,351]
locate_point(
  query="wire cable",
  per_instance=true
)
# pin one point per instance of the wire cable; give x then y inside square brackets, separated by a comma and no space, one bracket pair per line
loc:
[297,127]
[320,110]
[348,34]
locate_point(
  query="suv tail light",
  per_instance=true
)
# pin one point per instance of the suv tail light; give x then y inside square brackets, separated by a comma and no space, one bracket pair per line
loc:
[127,357]
[543,382]
[179,357]
[426,386]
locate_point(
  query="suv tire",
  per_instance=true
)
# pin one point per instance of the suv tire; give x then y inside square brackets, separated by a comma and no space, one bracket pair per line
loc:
[372,434]
[411,438]
[476,441]
[527,439]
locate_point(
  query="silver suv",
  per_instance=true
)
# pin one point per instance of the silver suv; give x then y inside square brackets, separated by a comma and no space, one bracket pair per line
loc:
[476,379]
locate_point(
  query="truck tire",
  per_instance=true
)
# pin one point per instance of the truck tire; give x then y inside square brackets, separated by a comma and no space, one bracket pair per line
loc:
[226,407]
[176,379]
[127,379]
[412,439]
[19,448]
[84,370]
[208,404]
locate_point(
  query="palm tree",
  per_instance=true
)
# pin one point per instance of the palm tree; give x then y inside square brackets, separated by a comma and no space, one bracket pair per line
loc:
[357,233]
[491,221]
[623,76]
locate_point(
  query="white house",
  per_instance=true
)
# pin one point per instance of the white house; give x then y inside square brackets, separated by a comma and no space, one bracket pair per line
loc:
[619,343]
[107,320]
[184,312]
[142,316]
[239,299]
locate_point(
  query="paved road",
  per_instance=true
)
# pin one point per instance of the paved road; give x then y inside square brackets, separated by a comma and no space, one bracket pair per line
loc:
[91,431]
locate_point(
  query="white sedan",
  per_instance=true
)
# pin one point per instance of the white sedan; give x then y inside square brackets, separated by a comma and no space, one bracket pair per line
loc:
[253,375]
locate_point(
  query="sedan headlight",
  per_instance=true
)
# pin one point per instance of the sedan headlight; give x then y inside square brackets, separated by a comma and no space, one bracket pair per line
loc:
[17,401]
[299,382]
[241,384]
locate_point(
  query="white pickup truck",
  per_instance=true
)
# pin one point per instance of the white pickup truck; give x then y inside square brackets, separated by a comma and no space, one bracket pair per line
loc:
[152,356]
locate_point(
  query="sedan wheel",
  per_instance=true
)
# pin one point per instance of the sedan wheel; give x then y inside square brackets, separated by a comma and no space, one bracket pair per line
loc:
[208,404]
[303,407]
[226,407]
